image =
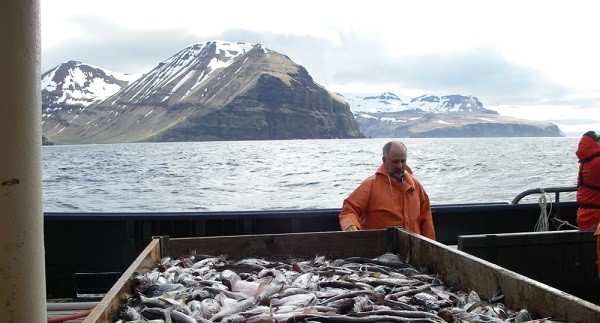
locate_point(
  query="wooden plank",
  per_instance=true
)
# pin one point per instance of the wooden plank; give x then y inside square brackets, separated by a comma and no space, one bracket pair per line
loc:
[112,303]
[301,245]
[467,272]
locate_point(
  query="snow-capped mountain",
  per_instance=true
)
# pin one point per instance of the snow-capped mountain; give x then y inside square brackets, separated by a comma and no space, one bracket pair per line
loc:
[384,102]
[448,103]
[216,90]
[391,102]
[388,115]
[182,76]
[76,83]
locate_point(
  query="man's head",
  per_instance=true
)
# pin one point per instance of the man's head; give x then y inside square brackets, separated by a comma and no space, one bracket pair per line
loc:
[394,158]
[593,135]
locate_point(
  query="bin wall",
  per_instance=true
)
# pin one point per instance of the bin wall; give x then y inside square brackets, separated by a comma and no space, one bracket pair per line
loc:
[562,259]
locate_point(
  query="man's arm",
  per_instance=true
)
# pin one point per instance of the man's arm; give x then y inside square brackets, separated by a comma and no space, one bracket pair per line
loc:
[350,216]
[354,207]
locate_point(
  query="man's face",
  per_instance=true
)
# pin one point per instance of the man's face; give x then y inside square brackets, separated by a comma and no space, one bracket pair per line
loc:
[395,160]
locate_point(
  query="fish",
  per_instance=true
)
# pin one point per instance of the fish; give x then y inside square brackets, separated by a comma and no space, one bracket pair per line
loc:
[180,317]
[402,314]
[233,318]
[155,290]
[205,288]
[346,284]
[205,308]
[153,313]
[522,315]
[371,294]
[290,290]
[231,307]
[297,300]
[306,280]
[206,262]
[265,291]
[393,304]
[426,301]
[130,314]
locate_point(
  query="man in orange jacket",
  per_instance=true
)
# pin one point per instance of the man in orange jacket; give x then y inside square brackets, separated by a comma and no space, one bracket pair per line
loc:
[391,197]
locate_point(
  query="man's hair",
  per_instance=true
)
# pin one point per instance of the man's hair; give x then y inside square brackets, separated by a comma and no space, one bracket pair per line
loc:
[386,147]
[592,134]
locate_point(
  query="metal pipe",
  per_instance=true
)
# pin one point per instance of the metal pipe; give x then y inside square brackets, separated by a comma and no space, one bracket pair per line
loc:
[22,274]
[71,306]
[555,190]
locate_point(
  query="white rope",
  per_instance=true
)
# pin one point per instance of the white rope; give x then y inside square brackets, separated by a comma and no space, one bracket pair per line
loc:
[542,222]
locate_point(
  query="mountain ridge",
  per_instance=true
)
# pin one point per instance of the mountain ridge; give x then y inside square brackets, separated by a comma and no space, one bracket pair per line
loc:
[388,115]
[211,91]
[207,92]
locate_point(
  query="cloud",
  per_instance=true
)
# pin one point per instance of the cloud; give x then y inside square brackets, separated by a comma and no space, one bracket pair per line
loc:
[355,60]
[480,72]
[351,58]
[107,44]
[513,55]
[572,120]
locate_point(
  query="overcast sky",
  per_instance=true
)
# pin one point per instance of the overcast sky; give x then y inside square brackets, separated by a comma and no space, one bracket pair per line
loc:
[532,59]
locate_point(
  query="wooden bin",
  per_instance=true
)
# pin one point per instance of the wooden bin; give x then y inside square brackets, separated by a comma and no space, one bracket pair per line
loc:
[459,269]
[562,259]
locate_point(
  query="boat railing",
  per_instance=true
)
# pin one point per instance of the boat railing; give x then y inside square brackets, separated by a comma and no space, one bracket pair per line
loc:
[555,190]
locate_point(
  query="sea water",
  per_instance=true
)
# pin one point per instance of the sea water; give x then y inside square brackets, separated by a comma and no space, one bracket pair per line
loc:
[293,174]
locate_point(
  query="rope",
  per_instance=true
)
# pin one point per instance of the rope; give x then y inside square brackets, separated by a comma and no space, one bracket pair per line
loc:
[542,222]
[564,224]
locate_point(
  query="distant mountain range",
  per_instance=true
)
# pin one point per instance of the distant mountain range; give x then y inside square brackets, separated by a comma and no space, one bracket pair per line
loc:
[390,102]
[237,91]
[389,115]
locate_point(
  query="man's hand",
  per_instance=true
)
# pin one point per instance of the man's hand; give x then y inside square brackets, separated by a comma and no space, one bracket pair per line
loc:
[351,228]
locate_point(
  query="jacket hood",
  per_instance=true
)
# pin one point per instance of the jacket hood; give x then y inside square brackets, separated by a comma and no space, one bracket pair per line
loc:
[587,147]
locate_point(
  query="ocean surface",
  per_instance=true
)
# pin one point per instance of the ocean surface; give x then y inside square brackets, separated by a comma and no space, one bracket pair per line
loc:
[293,174]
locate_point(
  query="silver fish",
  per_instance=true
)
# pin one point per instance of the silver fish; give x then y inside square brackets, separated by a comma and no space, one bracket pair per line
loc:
[425,300]
[355,289]
[231,307]
[179,317]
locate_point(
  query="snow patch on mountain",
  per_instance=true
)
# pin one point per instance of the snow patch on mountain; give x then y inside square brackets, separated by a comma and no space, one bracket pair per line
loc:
[368,103]
[180,67]
[388,102]
[76,83]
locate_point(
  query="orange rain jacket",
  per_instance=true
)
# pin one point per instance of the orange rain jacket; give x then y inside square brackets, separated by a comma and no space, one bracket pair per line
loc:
[381,201]
[588,184]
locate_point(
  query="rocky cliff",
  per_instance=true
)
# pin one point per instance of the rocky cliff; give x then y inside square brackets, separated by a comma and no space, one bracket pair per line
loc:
[212,91]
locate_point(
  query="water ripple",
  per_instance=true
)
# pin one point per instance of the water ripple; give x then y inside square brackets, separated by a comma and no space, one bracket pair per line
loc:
[292,174]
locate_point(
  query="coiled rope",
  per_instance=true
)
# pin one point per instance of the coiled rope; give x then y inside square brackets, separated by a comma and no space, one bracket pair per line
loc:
[542,222]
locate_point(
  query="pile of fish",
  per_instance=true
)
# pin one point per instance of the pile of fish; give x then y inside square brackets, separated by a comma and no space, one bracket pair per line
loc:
[202,288]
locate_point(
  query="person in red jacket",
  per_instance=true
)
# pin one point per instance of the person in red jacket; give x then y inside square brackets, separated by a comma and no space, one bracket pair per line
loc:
[588,182]
[391,197]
